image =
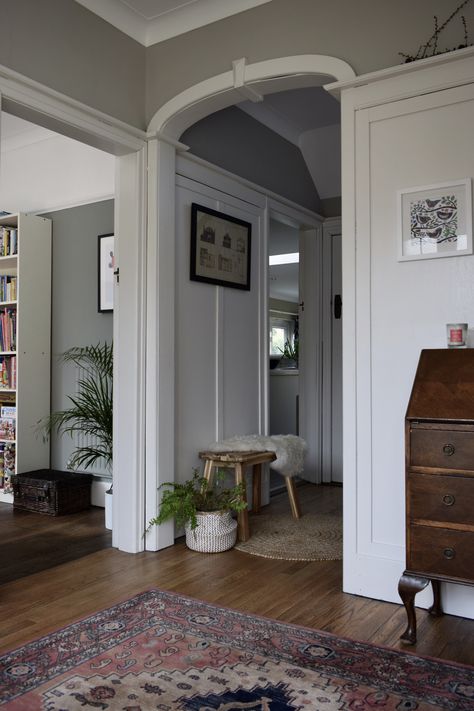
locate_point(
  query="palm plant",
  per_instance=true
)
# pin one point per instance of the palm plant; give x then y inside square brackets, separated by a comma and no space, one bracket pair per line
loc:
[91,407]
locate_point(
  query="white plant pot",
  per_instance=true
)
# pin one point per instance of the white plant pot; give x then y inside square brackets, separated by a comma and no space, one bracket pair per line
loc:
[216,532]
[108,509]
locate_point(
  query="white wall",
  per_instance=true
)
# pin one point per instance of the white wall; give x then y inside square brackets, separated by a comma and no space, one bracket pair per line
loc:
[75,317]
[218,335]
[394,309]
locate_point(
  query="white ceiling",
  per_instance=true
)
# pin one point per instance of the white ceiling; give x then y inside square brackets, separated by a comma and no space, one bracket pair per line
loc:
[152,21]
[15,133]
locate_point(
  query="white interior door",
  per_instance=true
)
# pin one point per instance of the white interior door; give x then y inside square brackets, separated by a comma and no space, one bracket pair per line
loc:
[310,351]
[332,353]
[394,309]
[336,359]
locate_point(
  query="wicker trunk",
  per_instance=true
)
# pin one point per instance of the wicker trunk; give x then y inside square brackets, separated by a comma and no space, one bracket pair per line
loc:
[216,532]
[52,492]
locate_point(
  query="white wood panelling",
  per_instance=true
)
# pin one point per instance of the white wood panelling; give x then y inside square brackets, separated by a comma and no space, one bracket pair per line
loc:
[394,309]
[218,358]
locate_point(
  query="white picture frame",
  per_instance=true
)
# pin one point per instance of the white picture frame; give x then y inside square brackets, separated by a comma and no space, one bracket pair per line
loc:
[435,221]
[106,268]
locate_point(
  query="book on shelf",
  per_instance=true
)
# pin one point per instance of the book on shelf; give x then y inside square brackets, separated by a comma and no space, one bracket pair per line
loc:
[7,329]
[7,372]
[8,287]
[7,465]
[8,241]
[7,429]
[8,412]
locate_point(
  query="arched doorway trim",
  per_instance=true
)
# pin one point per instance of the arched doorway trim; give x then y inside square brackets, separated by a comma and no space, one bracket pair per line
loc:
[243,82]
[240,83]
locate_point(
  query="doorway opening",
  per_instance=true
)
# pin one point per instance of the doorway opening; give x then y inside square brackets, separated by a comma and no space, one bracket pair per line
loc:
[57,198]
[293,288]
[283,317]
[165,129]
[303,226]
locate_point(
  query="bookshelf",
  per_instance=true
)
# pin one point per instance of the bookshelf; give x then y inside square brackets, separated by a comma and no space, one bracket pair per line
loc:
[25,344]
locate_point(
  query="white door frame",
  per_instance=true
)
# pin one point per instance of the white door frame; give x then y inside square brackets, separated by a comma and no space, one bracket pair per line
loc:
[37,103]
[331,227]
[310,278]
[242,81]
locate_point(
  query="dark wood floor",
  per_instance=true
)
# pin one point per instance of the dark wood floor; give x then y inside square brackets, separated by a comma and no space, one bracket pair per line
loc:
[68,582]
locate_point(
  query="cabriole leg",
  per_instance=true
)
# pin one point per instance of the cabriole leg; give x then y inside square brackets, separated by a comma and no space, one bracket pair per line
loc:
[436,608]
[408,587]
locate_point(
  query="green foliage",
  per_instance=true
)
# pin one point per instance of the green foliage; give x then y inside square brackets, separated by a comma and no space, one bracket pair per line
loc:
[183,501]
[91,407]
[290,350]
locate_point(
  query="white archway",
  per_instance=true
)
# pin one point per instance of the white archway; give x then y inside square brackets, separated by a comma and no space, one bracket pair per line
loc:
[244,81]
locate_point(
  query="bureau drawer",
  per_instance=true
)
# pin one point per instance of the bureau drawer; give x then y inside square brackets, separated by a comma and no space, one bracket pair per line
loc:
[441,498]
[440,551]
[442,449]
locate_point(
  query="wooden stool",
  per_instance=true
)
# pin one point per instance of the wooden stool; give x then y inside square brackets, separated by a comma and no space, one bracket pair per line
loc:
[239,461]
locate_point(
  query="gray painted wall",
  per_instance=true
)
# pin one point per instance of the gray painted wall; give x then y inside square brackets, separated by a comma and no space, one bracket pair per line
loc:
[368,34]
[64,46]
[61,44]
[237,142]
[75,319]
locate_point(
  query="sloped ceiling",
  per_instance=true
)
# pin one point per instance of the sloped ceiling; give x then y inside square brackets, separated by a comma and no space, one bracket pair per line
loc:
[310,119]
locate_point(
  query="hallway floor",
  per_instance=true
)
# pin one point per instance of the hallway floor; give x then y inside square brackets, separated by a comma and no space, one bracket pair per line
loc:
[302,593]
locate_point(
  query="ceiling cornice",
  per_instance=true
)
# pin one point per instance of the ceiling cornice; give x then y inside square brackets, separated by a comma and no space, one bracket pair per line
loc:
[172,23]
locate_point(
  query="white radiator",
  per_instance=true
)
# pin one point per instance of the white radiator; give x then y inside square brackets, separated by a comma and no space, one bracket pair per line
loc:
[81,440]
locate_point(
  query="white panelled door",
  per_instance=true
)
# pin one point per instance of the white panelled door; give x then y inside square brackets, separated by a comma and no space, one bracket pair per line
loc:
[393,309]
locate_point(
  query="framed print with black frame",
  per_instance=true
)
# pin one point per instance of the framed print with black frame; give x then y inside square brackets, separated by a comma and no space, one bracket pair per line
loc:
[220,248]
[106,268]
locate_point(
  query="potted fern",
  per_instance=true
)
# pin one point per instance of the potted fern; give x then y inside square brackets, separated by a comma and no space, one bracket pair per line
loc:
[90,411]
[204,510]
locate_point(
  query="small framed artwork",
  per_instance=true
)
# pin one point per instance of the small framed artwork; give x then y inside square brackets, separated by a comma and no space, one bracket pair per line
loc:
[106,262]
[435,221]
[220,248]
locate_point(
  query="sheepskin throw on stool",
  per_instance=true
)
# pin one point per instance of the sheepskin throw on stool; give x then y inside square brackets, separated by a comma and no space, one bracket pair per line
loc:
[289,450]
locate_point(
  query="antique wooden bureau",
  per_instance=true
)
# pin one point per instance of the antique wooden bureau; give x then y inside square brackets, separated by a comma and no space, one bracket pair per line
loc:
[439,478]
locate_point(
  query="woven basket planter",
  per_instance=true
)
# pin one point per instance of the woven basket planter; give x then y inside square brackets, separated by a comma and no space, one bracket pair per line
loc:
[216,532]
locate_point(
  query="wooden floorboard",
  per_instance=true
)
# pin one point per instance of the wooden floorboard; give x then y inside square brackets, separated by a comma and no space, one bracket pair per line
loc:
[57,570]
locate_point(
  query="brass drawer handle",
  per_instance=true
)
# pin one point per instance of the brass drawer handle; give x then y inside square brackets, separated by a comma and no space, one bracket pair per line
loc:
[448,500]
[449,450]
[449,553]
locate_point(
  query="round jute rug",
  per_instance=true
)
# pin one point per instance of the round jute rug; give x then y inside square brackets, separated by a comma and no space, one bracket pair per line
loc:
[280,536]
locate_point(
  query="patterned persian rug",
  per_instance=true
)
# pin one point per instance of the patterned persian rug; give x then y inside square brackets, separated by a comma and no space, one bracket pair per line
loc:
[162,651]
[311,537]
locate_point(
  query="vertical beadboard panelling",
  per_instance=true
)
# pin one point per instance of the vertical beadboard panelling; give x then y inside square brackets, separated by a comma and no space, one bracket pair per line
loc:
[217,339]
